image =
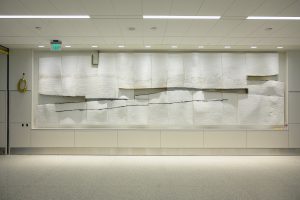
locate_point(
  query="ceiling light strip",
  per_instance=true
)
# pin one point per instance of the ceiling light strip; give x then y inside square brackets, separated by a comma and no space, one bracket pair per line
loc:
[44,17]
[272,18]
[179,17]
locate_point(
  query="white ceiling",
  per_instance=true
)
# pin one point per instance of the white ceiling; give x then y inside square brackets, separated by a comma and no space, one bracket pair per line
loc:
[111,19]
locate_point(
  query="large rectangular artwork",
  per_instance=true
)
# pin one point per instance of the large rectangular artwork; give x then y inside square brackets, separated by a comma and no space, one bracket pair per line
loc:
[160,90]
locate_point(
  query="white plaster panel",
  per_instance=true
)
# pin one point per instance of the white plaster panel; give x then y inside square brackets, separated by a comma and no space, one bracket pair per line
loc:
[267,139]
[294,135]
[224,139]
[139,138]
[20,106]
[52,138]
[96,138]
[20,62]
[181,139]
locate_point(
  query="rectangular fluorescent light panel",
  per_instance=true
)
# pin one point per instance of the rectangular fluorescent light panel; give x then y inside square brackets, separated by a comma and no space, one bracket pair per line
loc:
[273,18]
[179,17]
[44,16]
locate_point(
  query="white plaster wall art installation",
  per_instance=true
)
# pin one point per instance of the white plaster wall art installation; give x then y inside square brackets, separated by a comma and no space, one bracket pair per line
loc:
[160,90]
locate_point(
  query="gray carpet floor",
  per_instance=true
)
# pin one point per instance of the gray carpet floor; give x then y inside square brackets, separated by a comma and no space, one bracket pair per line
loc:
[150,177]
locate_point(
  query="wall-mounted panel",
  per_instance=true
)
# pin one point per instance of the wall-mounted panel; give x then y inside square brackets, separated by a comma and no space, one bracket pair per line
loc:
[3,71]
[2,134]
[139,138]
[293,70]
[294,108]
[51,138]
[20,106]
[294,135]
[20,62]
[96,138]
[168,90]
[3,106]
[267,139]
[181,139]
[224,139]
[19,135]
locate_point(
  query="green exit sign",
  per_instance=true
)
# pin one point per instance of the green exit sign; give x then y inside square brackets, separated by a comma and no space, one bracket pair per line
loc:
[55,47]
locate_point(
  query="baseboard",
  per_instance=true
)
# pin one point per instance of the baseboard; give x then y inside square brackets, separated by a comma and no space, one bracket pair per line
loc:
[154,151]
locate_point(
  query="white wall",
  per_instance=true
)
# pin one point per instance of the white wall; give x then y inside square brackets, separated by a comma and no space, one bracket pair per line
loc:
[21,61]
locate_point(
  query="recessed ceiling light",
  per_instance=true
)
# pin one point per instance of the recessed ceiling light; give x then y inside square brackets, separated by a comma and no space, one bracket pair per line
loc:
[174,46]
[41,46]
[200,47]
[273,18]
[131,28]
[268,29]
[227,47]
[121,46]
[44,16]
[179,17]
[67,46]
[253,47]
[279,47]
[147,46]
[94,46]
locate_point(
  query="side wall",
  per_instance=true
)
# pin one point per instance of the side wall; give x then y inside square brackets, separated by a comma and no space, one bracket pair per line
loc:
[294,98]
[3,97]
[23,136]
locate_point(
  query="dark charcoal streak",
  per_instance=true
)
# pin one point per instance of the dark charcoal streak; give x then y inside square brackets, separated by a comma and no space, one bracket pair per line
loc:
[167,103]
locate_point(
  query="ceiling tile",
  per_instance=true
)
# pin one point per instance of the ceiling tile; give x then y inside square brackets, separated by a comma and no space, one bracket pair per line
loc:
[21,40]
[293,10]
[127,7]
[248,41]
[186,7]
[223,27]
[243,7]
[98,7]
[125,24]
[214,7]
[79,27]
[12,7]
[40,7]
[154,27]
[69,7]
[172,40]
[271,7]
[177,27]
[14,27]
[107,27]
[153,40]
[114,41]
[134,40]
[156,7]
[228,41]
[83,40]
[263,29]
[287,41]
[246,28]
[196,41]
[200,27]
[289,29]
[193,41]
[270,41]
